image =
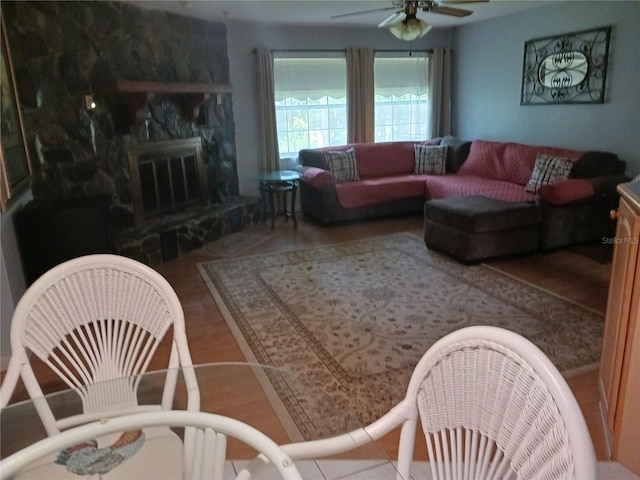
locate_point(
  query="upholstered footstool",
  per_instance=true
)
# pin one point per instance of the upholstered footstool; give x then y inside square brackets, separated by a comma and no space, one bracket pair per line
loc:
[474,228]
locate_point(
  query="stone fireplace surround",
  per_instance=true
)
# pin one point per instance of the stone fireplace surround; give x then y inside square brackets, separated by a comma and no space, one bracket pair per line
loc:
[220,211]
[64,51]
[162,237]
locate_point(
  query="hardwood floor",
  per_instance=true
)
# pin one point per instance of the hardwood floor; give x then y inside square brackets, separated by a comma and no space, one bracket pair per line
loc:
[569,273]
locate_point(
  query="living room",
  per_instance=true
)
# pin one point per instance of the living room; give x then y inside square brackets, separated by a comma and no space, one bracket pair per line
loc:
[486,92]
[486,88]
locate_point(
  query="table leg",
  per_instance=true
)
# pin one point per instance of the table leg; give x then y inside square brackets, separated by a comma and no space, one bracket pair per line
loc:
[273,208]
[285,192]
[293,203]
[265,205]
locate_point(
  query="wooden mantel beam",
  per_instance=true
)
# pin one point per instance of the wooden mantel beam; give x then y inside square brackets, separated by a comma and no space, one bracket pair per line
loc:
[145,86]
[140,92]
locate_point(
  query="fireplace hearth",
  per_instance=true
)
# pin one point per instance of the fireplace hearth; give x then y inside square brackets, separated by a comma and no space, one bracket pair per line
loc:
[167,236]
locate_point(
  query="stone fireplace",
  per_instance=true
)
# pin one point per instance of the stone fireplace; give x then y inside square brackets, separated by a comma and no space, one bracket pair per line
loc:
[155,78]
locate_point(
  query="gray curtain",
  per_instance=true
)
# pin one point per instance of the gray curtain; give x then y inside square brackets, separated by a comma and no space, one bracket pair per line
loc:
[440,92]
[266,97]
[360,95]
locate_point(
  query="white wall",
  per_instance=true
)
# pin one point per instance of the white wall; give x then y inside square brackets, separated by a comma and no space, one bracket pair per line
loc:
[242,38]
[12,283]
[489,78]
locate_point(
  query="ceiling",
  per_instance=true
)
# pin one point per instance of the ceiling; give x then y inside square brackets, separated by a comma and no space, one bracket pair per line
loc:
[313,12]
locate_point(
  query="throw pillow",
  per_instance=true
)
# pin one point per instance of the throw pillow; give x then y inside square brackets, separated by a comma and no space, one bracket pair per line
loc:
[548,169]
[342,165]
[572,190]
[430,159]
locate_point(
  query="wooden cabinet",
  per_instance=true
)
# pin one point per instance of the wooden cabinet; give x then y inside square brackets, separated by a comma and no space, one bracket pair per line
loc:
[619,379]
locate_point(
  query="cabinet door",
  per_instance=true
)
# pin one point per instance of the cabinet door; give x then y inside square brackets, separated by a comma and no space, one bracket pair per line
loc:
[626,442]
[618,310]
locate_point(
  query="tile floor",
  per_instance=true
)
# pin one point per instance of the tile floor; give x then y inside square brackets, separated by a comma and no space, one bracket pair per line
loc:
[376,470]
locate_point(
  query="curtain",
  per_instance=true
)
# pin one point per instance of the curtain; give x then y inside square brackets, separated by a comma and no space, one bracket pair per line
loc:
[266,98]
[440,92]
[360,95]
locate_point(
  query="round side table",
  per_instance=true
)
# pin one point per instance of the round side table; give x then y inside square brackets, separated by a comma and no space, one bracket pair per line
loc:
[275,187]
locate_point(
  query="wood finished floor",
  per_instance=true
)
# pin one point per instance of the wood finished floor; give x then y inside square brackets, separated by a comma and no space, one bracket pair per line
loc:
[579,277]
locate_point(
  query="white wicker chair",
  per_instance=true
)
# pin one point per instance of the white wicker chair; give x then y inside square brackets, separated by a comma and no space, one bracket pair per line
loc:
[72,452]
[97,321]
[492,406]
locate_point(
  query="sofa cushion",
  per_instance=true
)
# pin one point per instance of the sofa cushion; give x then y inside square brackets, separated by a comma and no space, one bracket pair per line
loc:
[317,177]
[595,164]
[442,186]
[378,190]
[312,157]
[430,159]
[512,162]
[385,159]
[342,165]
[374,159]
[548,169]
[571,190]
[457,152]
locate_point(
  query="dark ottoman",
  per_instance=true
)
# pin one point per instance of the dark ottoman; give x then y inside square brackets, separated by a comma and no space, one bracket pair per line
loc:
[474,228]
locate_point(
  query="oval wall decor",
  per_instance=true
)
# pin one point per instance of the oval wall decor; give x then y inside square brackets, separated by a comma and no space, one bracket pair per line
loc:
[568,68]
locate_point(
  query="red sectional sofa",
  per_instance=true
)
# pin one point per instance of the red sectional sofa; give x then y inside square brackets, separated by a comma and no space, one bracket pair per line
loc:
[573,211]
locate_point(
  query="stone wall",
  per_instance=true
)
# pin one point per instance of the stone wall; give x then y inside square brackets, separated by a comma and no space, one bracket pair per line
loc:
[63,50]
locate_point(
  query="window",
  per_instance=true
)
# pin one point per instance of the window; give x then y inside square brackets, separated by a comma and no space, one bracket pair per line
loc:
[401,98]
[311,103]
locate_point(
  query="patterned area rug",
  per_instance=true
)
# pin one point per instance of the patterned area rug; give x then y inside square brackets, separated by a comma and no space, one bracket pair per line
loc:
[357,317]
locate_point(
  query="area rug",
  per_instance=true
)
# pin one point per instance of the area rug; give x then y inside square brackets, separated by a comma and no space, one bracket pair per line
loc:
[355,318]
[236,243]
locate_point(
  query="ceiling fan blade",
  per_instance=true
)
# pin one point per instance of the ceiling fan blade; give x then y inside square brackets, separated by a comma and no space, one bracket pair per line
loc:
[392,19]
[362,12]
[454,12]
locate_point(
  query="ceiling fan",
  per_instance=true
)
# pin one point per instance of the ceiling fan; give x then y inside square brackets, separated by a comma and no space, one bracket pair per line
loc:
[404,22]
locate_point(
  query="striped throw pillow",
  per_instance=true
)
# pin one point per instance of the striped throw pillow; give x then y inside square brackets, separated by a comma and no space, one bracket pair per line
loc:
[342,165]
[548,169]
[430,159]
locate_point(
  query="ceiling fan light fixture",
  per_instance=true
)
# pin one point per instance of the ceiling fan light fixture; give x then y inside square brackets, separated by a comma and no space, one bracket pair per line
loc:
[410,29]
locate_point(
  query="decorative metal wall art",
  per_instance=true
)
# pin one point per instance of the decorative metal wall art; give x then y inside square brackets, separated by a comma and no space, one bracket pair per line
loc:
[567,68]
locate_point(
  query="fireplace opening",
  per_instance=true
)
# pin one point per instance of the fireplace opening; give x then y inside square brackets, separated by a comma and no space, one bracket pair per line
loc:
[166,177]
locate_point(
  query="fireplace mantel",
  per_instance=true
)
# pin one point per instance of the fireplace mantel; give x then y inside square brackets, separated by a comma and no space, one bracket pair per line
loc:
[140,92]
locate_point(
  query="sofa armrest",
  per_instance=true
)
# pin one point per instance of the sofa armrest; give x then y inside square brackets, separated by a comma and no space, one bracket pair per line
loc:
[606,185]
[317,177]
[568,191]
[576,190]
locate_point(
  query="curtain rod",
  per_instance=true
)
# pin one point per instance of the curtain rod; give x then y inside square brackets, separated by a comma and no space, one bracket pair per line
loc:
[428,50]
